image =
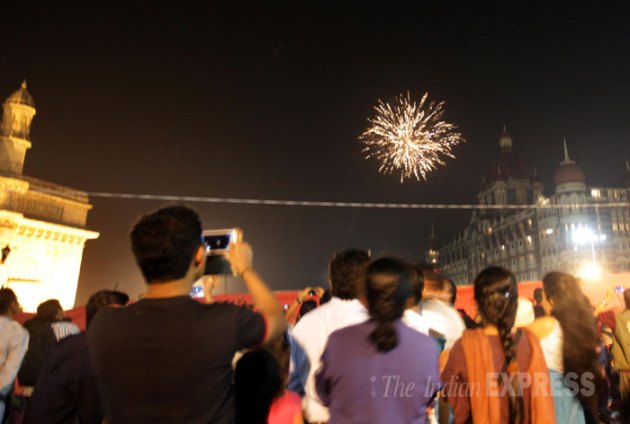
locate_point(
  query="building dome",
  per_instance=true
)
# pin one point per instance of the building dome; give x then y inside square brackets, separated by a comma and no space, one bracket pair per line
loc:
[21,96]
[568,172]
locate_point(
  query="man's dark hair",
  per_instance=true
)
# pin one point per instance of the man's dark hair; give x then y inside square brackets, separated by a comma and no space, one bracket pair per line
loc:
[307,306]
[347,273]
[164,243]
[103,299]
[48,310]
[538,292]
[417,285]
[7,298]
[626,298]
[433,281]
[453,286]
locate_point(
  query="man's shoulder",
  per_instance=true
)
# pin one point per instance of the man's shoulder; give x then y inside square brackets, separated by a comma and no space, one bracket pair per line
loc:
[314,318]
[17,329]
[435,307]
[68,351]
[119,315]
[416,321]
[36,324]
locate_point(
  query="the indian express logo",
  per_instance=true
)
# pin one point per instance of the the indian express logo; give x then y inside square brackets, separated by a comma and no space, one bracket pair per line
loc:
[514,384]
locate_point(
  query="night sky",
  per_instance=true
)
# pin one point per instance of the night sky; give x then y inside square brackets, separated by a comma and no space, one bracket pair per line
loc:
[267,101]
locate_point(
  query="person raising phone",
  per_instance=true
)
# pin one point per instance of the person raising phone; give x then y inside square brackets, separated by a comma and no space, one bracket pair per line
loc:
[167,358]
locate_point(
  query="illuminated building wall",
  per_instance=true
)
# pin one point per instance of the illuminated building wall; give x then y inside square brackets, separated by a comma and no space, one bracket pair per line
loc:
[42,225]
[533,241]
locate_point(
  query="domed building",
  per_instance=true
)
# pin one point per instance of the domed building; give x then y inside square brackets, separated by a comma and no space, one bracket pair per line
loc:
[562,232]
[569,177]
[42,225]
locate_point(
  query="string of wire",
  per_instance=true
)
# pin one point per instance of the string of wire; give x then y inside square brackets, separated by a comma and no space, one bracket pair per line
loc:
[335,204]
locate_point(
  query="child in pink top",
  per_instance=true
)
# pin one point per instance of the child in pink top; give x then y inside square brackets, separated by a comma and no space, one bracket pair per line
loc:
[287,409]
[260,381]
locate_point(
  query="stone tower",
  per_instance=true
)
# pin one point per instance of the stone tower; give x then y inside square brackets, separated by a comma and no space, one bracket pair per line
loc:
[19,109]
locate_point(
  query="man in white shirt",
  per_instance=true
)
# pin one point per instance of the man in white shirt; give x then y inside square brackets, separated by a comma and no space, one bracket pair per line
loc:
[437,310]
[13,344]
[310,335]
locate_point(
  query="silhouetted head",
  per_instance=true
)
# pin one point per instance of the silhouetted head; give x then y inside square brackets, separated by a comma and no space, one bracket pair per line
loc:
[417,287]
[450,290]
[165,242]
[8,302]
[306,307]
[50,310]
[347,273]
[103,299]
[257,382]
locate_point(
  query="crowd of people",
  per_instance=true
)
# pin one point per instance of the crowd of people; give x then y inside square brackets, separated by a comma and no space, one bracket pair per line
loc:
[383,343]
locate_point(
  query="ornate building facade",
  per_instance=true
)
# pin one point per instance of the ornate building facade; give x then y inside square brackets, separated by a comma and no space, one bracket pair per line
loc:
[574,230]
[42,225]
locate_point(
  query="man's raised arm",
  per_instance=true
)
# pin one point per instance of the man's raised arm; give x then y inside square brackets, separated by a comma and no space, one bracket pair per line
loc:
[240,256]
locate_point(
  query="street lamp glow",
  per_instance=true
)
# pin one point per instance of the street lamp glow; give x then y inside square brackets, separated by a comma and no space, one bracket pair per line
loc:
[590,271]
[583,236]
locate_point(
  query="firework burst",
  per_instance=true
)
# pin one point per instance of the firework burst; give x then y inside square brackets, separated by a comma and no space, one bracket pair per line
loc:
[410,137]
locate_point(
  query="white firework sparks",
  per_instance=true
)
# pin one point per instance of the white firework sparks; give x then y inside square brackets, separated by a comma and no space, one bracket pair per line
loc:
[410,137]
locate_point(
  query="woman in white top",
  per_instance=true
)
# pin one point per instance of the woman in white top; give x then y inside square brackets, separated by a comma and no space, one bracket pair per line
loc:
[568,337]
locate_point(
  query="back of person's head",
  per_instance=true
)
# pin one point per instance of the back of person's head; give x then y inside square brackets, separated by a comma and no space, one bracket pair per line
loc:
[257,382]
[49,310]
[496,294]
[388,286]
[103,299]
[538,295]
[417,287]
[325,297]
[450,289]
[347,273]
[580,337]
[306,307]
[7,300]
[626,298]
[434,285]
[164,243]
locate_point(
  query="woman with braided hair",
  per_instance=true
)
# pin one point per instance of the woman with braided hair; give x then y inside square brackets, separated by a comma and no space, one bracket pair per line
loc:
[496,374]
[380,371]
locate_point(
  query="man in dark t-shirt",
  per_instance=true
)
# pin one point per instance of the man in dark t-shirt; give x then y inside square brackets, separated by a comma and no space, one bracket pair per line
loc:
[167,358]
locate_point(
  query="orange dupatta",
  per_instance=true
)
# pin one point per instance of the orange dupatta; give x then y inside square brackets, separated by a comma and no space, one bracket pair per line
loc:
[484,403]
